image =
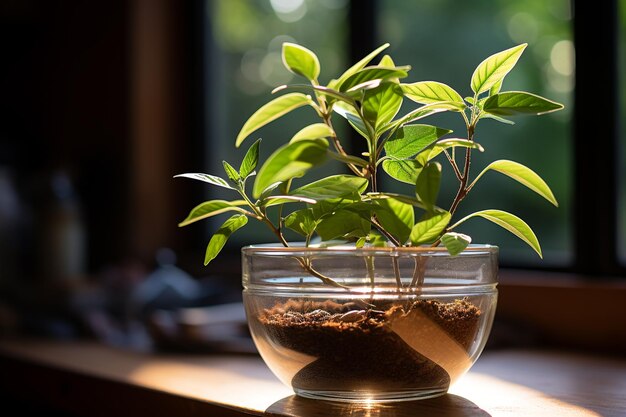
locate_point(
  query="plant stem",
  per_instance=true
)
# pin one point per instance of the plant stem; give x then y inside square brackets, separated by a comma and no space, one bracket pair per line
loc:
[382,230]
[326,116]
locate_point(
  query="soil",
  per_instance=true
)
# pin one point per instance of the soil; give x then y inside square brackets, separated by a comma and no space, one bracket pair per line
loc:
[392,346]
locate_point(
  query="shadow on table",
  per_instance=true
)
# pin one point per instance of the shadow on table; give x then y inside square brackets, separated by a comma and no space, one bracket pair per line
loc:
[448,405]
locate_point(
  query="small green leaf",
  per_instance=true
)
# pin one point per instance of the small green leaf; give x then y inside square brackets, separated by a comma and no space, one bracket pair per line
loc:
[373,73]
[332,187]
[404,170]
[427,185]
[386,61]
[350,115]
[290,161]
[357,67]
[212,208]
[301,61]
[428,229]
[469,100]
[434,150]
[496,118]
[412,139]
[380,105]
[513,103]
[509,222]
[342,223]
[494,68]
[397,218]
[270,112]
[231,172]
[302,222]
[274,200]
[455,242]
[426,92]
[373,239]
[314,131]
[250,161]
[269,190]
[521,174]
[211,179]
[220,237]
[348,159]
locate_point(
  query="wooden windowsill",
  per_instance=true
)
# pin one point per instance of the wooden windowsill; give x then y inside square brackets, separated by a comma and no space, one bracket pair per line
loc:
[85,378]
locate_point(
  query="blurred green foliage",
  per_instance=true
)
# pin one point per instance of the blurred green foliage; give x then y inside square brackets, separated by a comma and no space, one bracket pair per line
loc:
[440,39]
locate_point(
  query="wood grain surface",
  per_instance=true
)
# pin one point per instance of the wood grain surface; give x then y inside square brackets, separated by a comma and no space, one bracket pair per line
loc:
[90,379]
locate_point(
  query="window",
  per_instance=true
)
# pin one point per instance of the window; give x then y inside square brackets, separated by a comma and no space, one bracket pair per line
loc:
[445,40]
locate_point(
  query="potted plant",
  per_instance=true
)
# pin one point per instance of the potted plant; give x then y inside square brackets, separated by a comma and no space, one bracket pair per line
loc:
[382,298]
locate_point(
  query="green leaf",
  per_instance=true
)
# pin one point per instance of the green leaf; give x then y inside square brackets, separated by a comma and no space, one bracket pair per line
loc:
[420,113]
[350,115]
[272,111]
[320,89]
[426,92]
[495,89]
[250,161]
[378,196]
[386,61]
[220,237]
[323,208]
[373,239]
[342,223]
[513,103]
[211,179]
[521,174]
[301,61]
[290,161]
[332,187]
[404,170]
[496,118]
[357,67]
[493,69]
[427,185]
[212,208]
[269,190]
[397,218]
[348,159]
[429,229]
[231,172]
[469,100]
[373,73]
[509,222]
[409,140]
[380,105]
[302,222]
[434,150]
[455,242]
[314,131]
[274,200]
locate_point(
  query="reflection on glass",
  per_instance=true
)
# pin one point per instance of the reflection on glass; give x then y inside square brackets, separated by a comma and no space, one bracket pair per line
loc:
[445,40]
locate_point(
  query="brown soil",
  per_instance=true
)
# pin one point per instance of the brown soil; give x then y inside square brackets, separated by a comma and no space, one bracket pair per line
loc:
[390,346]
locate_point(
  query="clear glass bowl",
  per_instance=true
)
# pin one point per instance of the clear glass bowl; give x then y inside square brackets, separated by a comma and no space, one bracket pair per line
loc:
[369,324]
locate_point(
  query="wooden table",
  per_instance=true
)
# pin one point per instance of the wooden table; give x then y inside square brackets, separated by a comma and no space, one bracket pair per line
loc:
[86,378]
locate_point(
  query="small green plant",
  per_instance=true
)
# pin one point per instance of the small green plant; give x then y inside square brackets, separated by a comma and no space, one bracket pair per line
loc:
[353,207]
